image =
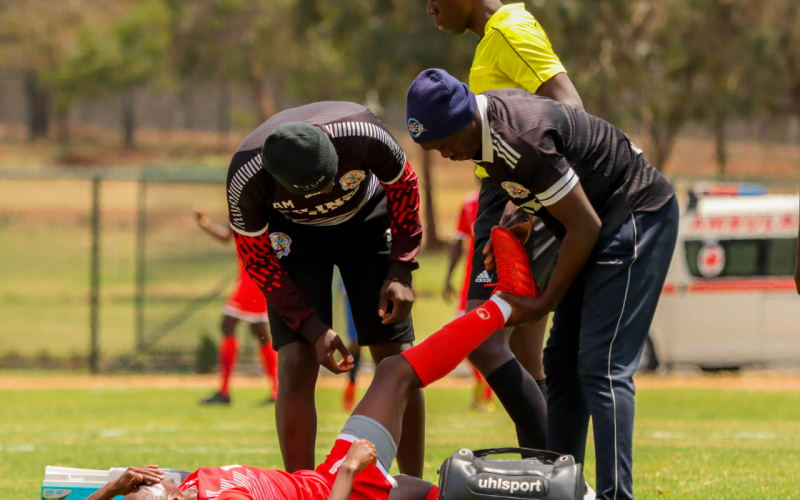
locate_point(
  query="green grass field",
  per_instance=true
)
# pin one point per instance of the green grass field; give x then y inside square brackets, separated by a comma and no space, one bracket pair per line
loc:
[689,443]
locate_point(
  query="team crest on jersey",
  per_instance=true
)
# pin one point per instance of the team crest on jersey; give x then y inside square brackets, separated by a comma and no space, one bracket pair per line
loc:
[281,243]
[415,128]
[352,179]
[515,190]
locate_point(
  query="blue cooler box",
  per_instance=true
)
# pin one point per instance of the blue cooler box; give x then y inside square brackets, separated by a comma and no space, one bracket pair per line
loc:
[65,483]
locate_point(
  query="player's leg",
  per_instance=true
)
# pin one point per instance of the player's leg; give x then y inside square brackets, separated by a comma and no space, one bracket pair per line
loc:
[619,303]
[378,418]
[228,352]
[567,411]
[514,386]
[412,488]
[364,265]
[295,411]
[268,355]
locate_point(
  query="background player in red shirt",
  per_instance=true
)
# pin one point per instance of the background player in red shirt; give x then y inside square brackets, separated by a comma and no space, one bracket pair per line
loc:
[482,396]
[357,467]
[247,303]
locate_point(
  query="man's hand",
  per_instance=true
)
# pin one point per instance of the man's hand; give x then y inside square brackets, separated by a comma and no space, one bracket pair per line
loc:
[326,345]
[524,310]
[515,220]
[200,215]
[361,454]
[133,477]
[402,299]
[448,292]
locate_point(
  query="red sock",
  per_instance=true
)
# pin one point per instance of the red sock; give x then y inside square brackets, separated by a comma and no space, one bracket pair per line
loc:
[269,361]
[442,352]
[228,350]
[433,494]
[487,392]
[478,375]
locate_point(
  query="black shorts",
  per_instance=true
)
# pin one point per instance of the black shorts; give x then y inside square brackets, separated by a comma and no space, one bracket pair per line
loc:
[542,246]
[360,248]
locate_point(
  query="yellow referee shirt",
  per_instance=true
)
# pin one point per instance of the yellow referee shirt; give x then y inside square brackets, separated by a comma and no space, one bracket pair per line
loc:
[514,53]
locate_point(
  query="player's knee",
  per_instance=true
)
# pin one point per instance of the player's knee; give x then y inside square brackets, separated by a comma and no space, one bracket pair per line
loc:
[228,326]
[395,371]
[490,356]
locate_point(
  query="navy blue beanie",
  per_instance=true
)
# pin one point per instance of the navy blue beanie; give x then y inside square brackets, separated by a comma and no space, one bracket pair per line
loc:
[438,106]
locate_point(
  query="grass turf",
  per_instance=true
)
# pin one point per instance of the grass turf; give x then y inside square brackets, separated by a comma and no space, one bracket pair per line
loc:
[690,443]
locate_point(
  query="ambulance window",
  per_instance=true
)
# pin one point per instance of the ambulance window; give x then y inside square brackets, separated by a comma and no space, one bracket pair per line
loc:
[744,258]
[780,257]
[741,258]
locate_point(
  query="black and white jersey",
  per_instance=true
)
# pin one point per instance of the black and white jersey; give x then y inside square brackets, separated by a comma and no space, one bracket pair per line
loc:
[538,149]
[368,155]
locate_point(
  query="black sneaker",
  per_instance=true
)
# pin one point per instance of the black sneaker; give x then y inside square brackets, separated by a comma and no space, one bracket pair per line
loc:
[269,400]
[216,399]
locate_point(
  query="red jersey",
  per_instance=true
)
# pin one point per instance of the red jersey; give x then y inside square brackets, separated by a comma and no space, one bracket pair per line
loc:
[259,484]
[373,483]
[466,233]
[246,303]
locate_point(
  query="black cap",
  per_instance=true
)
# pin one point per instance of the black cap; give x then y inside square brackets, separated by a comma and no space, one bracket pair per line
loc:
[300,156]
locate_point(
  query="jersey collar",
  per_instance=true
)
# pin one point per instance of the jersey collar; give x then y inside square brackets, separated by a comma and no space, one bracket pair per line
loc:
[487,153]
[501,14]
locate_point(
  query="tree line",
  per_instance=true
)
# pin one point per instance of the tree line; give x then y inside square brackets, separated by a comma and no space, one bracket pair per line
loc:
[646,65]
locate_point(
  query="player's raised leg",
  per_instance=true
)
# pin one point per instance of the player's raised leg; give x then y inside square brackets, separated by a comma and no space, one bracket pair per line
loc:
[398,376]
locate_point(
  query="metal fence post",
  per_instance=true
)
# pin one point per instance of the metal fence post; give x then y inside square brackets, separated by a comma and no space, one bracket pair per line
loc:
[94,294]
[141,228]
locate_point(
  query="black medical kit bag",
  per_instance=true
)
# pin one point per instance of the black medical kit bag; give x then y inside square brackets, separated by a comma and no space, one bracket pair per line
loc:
[472,475]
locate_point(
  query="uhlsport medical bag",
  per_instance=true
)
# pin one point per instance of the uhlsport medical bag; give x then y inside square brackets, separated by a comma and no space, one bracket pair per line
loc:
[472,475]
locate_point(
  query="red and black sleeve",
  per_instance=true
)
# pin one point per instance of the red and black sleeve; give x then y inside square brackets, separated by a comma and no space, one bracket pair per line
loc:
[402,199]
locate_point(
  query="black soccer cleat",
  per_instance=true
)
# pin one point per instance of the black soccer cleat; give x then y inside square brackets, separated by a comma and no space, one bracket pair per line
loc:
[216,399]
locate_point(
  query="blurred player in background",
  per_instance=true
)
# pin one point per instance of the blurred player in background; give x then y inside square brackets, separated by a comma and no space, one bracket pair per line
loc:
[357,468]
[482,395]
[513,52]
[247,304]
[349,394]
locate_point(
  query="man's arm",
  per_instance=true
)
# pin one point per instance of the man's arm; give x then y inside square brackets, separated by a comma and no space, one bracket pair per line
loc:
[402,197]
[359,456]
[561,89]
[456,250]
[222,233]
[583,227]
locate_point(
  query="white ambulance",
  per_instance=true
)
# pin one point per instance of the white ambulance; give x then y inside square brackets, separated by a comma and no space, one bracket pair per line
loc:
[730,299]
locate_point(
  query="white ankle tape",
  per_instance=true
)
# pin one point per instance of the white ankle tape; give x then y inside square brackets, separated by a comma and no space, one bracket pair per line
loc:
[504,306]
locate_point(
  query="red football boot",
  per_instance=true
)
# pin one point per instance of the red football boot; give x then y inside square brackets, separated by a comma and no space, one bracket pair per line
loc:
[513,268]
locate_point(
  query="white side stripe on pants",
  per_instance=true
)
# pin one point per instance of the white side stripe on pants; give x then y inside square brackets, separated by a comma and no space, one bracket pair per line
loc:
[610,347]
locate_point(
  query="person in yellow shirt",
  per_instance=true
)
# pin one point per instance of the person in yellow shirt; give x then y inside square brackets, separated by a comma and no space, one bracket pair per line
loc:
[513,52]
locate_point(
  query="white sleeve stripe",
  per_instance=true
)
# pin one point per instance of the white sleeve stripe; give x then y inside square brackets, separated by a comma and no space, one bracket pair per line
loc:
[245,233]
[556,197]
[563,181]
[400,174]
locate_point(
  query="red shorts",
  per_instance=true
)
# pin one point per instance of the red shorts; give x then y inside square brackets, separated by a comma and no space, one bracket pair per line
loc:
[247,303]
[373,483]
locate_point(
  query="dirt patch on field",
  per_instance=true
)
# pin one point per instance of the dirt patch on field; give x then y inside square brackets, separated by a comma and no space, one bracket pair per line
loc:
[10,381]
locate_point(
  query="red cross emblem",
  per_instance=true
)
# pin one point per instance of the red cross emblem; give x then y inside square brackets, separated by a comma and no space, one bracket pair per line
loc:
[711,260]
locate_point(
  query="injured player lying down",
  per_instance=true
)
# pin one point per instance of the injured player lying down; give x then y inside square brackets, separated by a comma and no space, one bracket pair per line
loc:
[357,466]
